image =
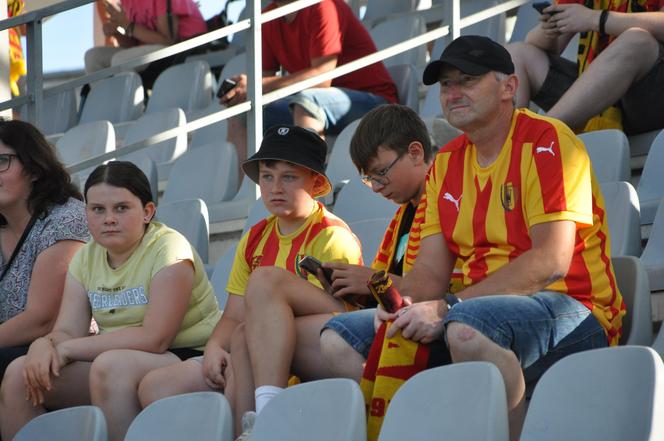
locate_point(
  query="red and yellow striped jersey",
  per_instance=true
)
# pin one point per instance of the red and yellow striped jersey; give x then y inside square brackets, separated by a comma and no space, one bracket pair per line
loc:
[542,174]
[323,236]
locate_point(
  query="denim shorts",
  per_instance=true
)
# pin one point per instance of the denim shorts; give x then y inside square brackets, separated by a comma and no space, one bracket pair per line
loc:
[356,328]
[540,329]
[335,107]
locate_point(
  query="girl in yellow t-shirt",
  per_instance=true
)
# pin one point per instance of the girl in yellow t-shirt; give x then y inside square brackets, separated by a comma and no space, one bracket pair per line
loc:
[147,290]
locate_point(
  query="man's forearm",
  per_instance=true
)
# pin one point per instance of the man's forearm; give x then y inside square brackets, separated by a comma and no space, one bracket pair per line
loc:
[271,82]
[527,274]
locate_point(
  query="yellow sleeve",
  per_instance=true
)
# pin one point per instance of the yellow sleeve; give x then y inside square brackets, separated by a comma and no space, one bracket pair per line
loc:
[240,271]
[334,244]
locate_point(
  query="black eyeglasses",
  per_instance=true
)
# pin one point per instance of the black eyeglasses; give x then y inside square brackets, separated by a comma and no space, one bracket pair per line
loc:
[381,176]
[6,161]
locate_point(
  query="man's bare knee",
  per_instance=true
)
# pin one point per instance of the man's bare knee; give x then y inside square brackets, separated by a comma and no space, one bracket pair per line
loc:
[634,46]
[463,341]
[342,359]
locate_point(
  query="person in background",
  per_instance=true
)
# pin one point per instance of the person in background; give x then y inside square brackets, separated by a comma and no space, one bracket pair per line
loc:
[146,288]
[42,225]
[144,26]
[618,80]
[306,43]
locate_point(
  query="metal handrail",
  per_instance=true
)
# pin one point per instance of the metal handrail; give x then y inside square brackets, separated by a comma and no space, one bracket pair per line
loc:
[254,95]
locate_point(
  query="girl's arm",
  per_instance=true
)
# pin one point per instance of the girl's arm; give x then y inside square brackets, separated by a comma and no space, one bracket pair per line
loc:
[170,291]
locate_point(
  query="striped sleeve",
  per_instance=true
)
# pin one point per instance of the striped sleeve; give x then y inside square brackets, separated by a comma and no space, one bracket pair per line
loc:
[558,179]
[239,275]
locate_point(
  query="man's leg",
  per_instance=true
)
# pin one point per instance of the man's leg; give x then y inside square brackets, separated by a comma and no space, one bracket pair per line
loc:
[531,65]
[628,59]
[345,343]
[330,109]
[273,300]
[521,335]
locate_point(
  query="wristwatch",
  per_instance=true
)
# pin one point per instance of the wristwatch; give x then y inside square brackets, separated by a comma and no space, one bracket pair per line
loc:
[451,300]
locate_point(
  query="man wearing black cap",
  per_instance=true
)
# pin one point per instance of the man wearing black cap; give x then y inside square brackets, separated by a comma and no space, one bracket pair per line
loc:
[514,200]
[289,168]
[618,77]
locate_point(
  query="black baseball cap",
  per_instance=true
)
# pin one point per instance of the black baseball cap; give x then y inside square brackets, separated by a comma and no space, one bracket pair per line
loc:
[293,144]
[473,55]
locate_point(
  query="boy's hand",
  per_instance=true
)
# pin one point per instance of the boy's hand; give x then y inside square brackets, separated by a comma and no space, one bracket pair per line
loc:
[349,279]
[215,363]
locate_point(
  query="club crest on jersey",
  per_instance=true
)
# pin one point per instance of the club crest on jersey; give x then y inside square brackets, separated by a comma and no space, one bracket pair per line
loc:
[256,261]
[299,271]
[507,196]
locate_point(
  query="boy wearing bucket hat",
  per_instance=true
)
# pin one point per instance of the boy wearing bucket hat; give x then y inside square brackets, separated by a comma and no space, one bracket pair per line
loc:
[289,168]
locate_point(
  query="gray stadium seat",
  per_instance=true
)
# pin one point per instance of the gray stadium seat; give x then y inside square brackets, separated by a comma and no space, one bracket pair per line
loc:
[211,133]
[457,402]
[190,218]
[200,416]
[357,201]
[82,423]
[609,154]
[58,112]
[378,10]
[609,394]
[527,18]
[340,168]
[208,172]
[653,253]
[187,86]
[651,183]
[219,279]
[236,208]
[431,106]
[324,410]
[85,141]
[396,30]
[622,212]
[370,232]
[658,344]
[406,78]
[116,99]
[633,283]
[165,152]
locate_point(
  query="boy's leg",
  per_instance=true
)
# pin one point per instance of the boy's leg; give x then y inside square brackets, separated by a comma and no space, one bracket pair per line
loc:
[69,389]
[241,395]
[117,395]
[274,298]
[175,379]
[345,343]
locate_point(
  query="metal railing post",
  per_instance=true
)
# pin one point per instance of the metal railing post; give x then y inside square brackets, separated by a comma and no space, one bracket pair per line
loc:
[35,76]
[454,13]
[254,81]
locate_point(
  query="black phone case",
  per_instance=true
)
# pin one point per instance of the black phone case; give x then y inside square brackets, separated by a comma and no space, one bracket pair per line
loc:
[540,6]
[225,87]
[311,264]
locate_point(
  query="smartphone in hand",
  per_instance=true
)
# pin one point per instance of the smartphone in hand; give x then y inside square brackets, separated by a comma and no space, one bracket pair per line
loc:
[226,86]
[541,6]
[311,264]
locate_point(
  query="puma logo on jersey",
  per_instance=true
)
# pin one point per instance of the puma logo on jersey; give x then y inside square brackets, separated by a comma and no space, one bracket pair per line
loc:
[449,197]
[546,149]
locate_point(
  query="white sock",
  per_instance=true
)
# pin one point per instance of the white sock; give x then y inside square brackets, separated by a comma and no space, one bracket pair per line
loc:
[264,394]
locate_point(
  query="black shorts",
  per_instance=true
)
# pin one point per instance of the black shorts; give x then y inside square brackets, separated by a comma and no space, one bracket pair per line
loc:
[186,353]
[642,106]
